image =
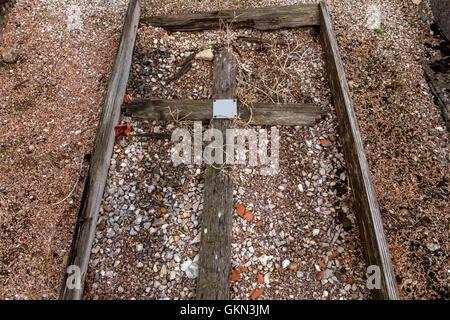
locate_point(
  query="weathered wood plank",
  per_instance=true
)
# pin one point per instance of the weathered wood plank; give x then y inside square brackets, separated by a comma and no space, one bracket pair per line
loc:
[265,18]
[215,246]
[201,110]
[441,12]
[364,198]
[103,145]
[439,82]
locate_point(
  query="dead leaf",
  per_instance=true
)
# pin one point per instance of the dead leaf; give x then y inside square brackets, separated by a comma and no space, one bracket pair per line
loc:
[126,99]
[122,130]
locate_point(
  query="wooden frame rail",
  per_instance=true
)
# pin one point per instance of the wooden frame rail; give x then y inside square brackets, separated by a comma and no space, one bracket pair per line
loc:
[214,276]
[103,145]
[364,197]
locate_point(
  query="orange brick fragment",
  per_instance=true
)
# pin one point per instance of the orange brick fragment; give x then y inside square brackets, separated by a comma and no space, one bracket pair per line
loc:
[235,275]
[248,216]
[255,294]
[321,274]
[240,209]
[334,254]
[260,278]
[350,281]
[260,223]
[245,269]
[322,264]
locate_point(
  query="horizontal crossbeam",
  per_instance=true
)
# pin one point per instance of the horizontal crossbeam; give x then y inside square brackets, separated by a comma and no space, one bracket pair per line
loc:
[202,110]
[267,18]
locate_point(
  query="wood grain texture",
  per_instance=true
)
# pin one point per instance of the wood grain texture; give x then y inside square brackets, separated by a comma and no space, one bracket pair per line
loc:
[215,246]
[103,145]
[364,198]
[441,13]
[201,110]
[439,82]
[265,18]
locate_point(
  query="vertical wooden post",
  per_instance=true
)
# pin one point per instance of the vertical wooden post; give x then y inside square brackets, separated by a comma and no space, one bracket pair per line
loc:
[215,246]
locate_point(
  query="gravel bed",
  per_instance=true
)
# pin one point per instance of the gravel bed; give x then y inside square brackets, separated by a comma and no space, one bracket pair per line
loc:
[5,6]
[405,137]
[300,240]
[56,59]
[130,258]
[148,226]
[60,54]
[147,245]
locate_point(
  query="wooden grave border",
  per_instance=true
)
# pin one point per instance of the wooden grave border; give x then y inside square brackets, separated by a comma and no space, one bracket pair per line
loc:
[215,246]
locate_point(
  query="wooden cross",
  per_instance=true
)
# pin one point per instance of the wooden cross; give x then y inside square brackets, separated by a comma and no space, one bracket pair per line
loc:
[215,246]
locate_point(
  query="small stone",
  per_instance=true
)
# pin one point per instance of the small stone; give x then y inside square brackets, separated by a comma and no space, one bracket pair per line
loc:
[196,239]
[325,143]
[285,263]
[263,259]
[293,266]
[190,267]
[120,290]
[10,55]
[139,247]
[110,233]
[207,55]
[267,278]
[433,247]
[300,274]
[327,273]
[163,271]
[158,222]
